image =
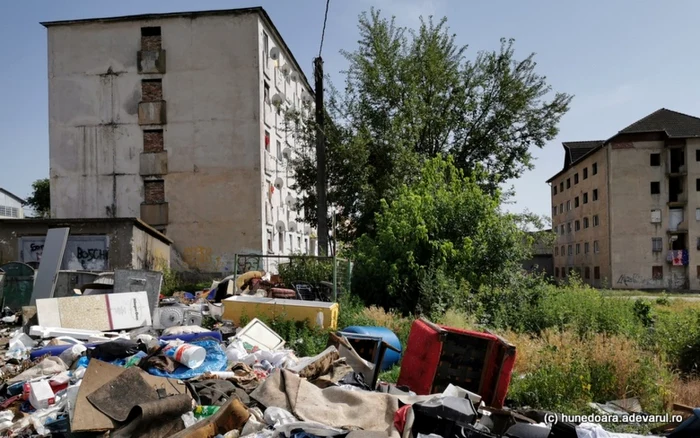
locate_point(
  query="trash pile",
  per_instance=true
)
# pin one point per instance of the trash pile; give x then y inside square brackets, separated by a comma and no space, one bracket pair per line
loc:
[188,381]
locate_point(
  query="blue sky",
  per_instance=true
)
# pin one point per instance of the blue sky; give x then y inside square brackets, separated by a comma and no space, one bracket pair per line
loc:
[621,59]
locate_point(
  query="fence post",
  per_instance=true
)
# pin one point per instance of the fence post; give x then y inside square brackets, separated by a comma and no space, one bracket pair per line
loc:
[335,279]
[349,280]
[235,266]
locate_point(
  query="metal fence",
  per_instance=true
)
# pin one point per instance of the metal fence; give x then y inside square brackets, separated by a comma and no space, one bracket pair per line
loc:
[300,268]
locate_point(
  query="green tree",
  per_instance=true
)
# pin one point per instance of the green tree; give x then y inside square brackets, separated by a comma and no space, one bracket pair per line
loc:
[40,200]
[411,95]
[441,230]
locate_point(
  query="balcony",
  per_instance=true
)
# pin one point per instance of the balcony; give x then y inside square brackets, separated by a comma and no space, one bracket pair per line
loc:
[270,163]
[151,61]
[152,113]
[153,163]
[155,214]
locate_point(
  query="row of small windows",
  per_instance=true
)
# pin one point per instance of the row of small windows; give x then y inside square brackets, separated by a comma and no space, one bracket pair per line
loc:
[655,158]
[569,250]
[577,202]
[655,187]
[586,274]
[594,171]
[577,225]
[9,211]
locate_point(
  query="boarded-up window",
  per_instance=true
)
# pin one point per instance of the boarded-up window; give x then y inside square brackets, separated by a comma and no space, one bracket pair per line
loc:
[151,38]
[657,272]
[151,90]
[153,140]
[154,191]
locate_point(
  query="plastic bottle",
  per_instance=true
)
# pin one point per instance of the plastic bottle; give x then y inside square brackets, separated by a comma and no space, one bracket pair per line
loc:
[189,355]
[205,411]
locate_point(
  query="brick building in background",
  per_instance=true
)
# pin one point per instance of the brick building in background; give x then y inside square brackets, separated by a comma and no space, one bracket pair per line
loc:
[627,210]
[178,119]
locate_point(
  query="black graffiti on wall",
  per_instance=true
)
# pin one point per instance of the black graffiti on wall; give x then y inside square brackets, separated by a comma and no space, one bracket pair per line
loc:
[91,254]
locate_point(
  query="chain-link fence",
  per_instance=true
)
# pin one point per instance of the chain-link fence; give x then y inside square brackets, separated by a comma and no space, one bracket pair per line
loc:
[331,273]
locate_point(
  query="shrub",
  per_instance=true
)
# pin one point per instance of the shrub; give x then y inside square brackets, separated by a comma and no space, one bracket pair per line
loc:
[306,269]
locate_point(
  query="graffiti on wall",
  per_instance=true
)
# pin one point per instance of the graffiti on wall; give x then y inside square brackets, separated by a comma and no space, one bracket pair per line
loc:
[674,281]
[83,253]
[249,262]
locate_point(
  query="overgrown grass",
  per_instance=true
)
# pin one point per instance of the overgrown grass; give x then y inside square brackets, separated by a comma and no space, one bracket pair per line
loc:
[575,345]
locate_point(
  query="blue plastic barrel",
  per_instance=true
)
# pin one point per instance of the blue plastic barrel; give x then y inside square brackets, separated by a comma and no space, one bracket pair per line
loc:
[391,357]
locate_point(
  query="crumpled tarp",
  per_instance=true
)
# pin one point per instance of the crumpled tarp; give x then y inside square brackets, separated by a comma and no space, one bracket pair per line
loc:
[335,407]
[215,361]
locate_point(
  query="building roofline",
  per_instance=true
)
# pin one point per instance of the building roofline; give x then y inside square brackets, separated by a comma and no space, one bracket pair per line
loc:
[68,221]
[581,158]
[192,14]
[13,196]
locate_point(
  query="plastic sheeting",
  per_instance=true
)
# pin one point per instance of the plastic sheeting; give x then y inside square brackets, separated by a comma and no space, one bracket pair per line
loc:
[215,361]
[591,430]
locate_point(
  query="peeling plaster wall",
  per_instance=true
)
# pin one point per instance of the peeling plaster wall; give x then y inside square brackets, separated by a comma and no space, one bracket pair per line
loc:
[211,87]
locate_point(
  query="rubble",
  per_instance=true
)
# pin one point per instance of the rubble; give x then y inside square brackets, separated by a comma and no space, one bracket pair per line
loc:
[96,370]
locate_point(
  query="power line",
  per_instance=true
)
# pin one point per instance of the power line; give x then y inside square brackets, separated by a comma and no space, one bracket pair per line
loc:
[323,33]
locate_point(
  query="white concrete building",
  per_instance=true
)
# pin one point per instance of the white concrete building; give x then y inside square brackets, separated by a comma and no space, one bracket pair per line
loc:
[11,206]
[192,143]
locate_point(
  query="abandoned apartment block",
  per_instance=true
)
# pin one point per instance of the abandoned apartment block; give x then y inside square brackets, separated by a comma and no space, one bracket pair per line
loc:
[195,145]
[635,209]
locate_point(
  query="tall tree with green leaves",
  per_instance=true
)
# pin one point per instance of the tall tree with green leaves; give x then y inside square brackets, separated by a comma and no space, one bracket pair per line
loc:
[439,239]
[413,94]
[40,199]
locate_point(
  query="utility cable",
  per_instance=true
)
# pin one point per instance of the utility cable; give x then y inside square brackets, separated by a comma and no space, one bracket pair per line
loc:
[323,33]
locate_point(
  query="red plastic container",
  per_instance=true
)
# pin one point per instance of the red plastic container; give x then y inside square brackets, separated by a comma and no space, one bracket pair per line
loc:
[438,355]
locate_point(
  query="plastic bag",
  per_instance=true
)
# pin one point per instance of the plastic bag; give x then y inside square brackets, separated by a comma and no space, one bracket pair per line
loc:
[236,353]
[215,361]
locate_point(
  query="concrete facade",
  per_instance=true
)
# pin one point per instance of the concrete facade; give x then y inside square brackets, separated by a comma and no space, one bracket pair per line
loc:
[648,206]
[582,244]
[11,206]
[164,117]
[104,244]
